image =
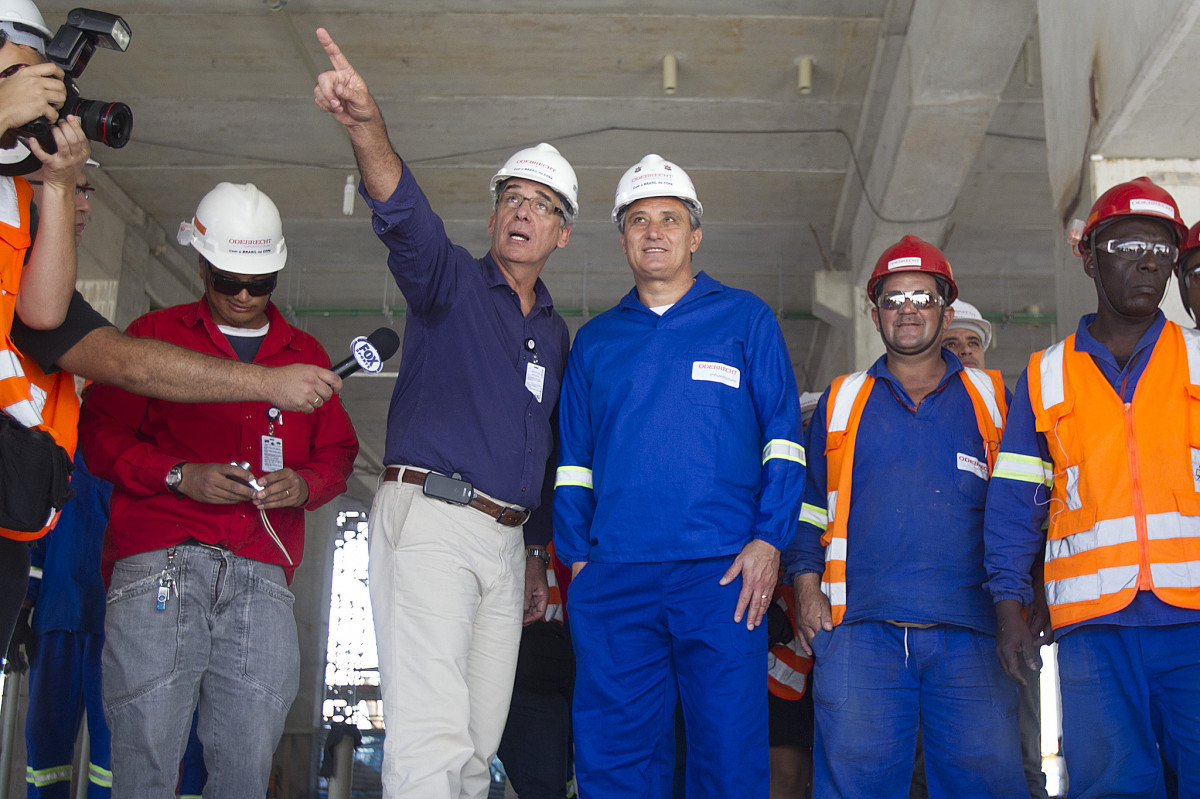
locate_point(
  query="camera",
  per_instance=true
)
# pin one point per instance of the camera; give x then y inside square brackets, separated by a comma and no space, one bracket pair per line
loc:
[71,48]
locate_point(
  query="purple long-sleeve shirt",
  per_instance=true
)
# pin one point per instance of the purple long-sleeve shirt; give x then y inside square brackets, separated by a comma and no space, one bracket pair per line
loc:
[461,403]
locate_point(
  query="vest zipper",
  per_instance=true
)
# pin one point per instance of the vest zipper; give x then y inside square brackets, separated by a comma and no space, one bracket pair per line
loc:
[1139,503]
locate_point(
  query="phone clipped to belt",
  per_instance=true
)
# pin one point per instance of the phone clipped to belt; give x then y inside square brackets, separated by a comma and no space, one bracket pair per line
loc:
[450,489]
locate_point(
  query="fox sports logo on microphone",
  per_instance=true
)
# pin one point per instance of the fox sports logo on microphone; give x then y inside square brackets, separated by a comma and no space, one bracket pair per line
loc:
[366,355]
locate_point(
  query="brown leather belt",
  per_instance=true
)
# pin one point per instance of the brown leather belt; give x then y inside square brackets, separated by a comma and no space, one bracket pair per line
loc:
[509,517]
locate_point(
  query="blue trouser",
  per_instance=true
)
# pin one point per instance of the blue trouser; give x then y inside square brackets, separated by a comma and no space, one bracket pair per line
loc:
[1126,693]
[875,684]
[225,639]
[644,634]
[64,682]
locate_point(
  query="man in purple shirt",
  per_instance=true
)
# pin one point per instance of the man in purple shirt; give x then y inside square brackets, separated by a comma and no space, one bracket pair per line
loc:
[468,443]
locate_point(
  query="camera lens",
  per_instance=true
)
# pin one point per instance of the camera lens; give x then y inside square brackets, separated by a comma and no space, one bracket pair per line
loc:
[105,122]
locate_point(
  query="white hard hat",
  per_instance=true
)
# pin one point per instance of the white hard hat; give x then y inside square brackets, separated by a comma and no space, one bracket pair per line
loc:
[967,316]
[237,229]
[654,177]
[543,164]
[26,13]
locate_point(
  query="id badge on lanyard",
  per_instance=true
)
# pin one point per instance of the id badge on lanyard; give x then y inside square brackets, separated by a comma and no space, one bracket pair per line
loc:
[272,445]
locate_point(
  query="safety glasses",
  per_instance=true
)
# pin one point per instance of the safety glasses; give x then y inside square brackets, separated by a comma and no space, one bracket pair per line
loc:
[1135,250]
[223,284]
[920,299]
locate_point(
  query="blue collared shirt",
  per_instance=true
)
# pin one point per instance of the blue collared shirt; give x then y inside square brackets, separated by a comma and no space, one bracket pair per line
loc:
[1017,510]
[915,530]
[461,403]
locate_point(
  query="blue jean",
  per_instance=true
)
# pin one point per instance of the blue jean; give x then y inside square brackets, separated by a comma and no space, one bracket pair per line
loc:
[875,684]
[227,641]
[1127,693]
[646,634]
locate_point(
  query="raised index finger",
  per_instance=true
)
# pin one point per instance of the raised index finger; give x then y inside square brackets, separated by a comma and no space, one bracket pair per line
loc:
[334,52]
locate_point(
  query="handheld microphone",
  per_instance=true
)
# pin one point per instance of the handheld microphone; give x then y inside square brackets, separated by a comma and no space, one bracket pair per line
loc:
[369,352]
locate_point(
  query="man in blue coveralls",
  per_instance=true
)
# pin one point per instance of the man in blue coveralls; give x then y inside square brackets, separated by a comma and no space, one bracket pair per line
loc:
[889,576]
[677,487]
[1103,445]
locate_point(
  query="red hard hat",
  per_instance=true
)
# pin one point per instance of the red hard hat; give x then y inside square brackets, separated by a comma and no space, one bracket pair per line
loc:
[913,254]
[1138,197]
[1190,244]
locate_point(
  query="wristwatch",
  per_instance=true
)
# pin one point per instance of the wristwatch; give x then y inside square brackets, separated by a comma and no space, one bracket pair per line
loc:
[538,552]
[175,477]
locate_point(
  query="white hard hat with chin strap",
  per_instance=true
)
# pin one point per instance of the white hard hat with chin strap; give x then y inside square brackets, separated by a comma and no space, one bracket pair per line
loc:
[655,177]
[543,164]
[237,229]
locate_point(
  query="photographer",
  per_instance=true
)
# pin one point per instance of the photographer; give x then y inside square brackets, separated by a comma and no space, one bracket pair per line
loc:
[29,88]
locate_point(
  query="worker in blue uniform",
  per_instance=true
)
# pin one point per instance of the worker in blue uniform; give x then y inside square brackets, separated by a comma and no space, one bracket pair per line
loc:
[1098,477]
[887,560]
[678,485]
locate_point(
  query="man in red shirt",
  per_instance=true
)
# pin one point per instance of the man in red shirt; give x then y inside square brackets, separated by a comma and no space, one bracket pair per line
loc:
[199,549]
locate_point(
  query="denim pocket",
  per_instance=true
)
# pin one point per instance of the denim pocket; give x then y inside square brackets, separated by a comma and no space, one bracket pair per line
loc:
[271,648]
[831,666]
[141,642]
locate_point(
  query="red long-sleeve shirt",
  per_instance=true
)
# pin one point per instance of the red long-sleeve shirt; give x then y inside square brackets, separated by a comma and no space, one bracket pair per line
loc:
[134,441]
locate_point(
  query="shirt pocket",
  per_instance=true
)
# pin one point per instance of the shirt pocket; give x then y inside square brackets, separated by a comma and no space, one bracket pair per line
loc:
[715,376]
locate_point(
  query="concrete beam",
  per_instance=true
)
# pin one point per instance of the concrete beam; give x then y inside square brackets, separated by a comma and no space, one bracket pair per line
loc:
[948,79]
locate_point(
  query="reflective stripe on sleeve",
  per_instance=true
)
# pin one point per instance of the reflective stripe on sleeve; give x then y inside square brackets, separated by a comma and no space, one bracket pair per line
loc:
[1025,468]
[783,449]
[814,516]
[573,476]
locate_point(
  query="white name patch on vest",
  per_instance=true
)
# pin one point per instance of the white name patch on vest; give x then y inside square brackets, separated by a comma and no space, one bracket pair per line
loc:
[973,465]
[715,372]
[1196,468]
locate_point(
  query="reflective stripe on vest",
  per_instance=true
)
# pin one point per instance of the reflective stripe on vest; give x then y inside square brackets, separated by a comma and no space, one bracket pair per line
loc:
[27,394]
[787,665]
[847,398]
[1125,479]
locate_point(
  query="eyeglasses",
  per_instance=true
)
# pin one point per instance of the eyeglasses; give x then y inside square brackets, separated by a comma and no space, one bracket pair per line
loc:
[223,284]
[12,70]
[540,206]
[86,190]
[1135,250]
[920,299]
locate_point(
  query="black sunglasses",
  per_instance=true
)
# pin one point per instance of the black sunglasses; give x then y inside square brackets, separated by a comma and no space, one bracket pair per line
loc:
[223,284]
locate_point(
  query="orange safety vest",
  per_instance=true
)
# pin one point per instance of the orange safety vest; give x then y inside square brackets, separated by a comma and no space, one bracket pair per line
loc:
[27,394]
[847,397]
[1125,501]
[787,665]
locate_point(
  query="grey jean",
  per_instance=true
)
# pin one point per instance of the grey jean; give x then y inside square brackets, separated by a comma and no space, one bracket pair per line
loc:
[225,639]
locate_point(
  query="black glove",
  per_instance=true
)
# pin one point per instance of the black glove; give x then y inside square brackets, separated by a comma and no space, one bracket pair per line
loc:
[22,636]
[779,626]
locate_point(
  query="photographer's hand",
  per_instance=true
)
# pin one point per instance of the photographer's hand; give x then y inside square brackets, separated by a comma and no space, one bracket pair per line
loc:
[60,169]
[33,91]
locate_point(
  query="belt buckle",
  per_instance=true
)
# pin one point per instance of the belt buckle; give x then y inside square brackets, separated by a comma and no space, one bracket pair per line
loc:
[505,509]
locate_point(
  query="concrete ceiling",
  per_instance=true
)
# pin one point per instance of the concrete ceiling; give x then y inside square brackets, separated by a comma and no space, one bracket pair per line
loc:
[222,90]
